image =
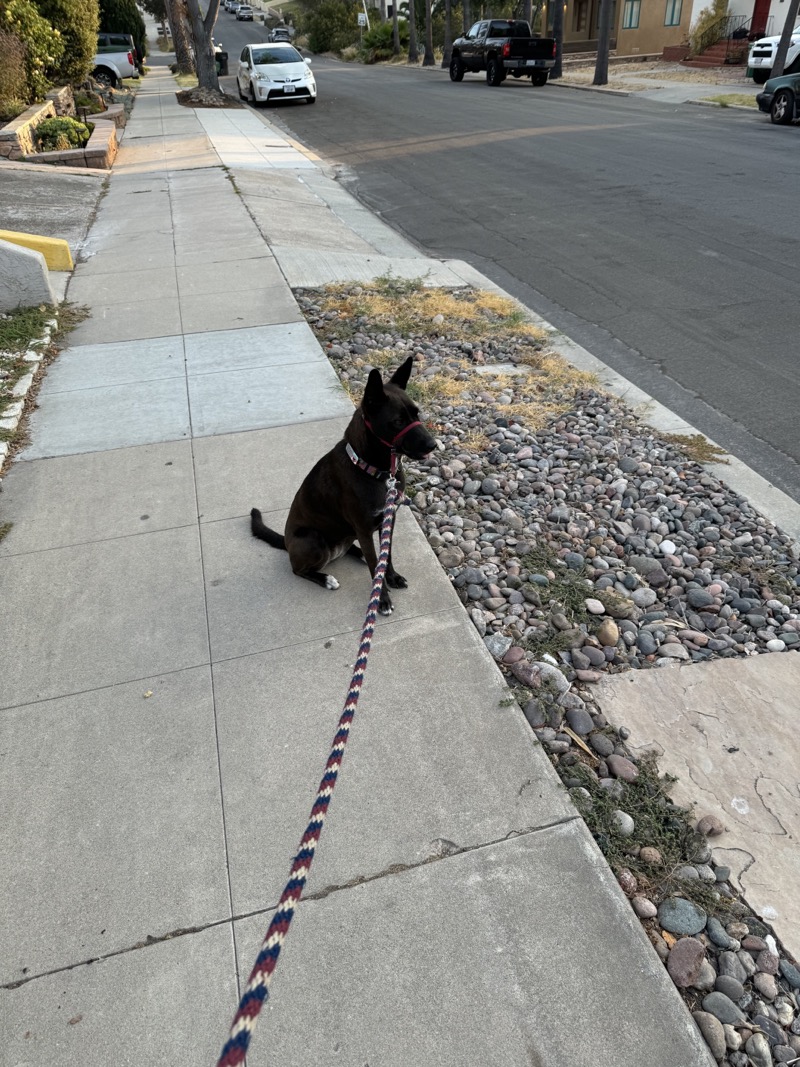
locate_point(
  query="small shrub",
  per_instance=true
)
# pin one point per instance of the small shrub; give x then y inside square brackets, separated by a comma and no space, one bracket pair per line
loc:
[378,43]
[91,102]
[60,134]
[10,107]
[705,31]
[331,26]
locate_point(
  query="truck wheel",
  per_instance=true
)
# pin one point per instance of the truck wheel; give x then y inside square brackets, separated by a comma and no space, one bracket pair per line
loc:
[539,77]
[761,76]
[105,77]
[782,110]
[456,69]
[494,72]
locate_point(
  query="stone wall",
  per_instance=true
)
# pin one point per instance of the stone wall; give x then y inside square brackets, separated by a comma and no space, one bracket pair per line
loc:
[99,153]
[63,100]
[17,137]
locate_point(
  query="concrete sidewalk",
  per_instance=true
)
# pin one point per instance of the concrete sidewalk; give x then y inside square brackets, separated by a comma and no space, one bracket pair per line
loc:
[169,690]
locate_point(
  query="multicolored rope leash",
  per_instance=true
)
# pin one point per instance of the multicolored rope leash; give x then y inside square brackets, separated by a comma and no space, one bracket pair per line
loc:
[257,989]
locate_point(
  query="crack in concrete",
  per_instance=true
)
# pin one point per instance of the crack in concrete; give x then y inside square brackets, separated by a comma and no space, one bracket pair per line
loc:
[320,894]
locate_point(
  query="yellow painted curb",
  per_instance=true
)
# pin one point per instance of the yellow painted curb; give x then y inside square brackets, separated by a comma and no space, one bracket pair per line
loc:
[55,251]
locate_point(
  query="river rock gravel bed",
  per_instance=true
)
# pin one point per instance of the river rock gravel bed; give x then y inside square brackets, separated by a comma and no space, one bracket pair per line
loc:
[582,543]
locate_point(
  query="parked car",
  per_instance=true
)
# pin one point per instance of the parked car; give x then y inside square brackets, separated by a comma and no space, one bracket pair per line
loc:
[244,13]
[762,56]
[275,71]
[228,5]
[502,47]
[779,99]
[280,33]
[234,6]
[115,59]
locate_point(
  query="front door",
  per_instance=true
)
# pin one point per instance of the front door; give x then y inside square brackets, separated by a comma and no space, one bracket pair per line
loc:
[760,15]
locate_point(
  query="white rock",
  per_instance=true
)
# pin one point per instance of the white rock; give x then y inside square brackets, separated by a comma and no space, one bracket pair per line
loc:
[595,607]
[623,823]
[668,548]
[776,645]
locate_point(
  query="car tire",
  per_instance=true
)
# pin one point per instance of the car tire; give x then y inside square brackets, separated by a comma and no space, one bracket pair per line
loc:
[761,77]
[781,110]
[539,77]
[253,96]
[456,69]
[494,72]
[311,100]
[239,88]
[105,77]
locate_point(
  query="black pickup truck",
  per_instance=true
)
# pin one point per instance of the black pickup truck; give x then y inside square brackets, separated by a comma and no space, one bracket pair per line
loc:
[502,47]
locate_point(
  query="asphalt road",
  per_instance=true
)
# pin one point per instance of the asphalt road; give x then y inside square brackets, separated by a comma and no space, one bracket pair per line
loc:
[665,239]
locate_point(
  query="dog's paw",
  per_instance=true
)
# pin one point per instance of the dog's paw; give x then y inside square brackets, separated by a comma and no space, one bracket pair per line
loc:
[330,582]
[396,581]
[385,606]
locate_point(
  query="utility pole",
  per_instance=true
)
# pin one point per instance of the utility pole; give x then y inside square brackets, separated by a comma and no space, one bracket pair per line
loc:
[603,41]
[786,37]
[558,34]
[448,34]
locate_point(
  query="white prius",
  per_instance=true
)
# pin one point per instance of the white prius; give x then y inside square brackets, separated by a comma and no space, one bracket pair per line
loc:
[275,71]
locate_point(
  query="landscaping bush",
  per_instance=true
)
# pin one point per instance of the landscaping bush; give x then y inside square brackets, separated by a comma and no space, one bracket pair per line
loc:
[60,134]
[704,33]
[13,82]
[43,44]
[331,26]
[378,43]
[77,21]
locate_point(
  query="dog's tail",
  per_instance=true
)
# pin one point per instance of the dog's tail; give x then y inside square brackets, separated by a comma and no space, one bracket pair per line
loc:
[263,532]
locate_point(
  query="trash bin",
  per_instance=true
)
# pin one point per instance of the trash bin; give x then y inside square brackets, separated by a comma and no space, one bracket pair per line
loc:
[222,63]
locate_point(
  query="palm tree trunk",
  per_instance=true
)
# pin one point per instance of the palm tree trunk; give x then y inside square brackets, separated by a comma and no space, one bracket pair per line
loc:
[448,34]
[603,39]
[413,54]
[786,37]
[395,30]
[429,59]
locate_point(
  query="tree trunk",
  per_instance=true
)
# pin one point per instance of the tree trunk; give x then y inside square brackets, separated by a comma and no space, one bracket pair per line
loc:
[558,34]
[603,39]
[383,10]
[179,31]
[448,34]
[202,28]
[786,38]
[413,54]
[429,59]
[395,30]
[465,14]
[527,11]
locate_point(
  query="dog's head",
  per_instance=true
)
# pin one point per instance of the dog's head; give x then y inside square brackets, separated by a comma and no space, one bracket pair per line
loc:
[392,416]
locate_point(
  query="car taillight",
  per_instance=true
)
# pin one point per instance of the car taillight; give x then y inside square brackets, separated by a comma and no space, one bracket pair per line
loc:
[130,58]
[507,48]
[554,49]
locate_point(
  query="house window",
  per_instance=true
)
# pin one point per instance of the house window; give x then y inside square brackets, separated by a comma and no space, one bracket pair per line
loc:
[630,14]
[580,15]
[673,15]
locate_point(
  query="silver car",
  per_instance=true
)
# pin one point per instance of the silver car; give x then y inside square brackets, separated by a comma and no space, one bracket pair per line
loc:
[275,71]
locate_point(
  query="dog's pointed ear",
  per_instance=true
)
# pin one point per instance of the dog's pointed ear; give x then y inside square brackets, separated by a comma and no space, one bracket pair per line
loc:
[403,373]
[373,394]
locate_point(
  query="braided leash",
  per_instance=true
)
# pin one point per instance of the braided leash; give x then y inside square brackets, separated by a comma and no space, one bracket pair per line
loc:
[257,989]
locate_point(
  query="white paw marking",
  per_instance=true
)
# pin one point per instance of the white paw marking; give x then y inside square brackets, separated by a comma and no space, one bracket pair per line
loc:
[330,582]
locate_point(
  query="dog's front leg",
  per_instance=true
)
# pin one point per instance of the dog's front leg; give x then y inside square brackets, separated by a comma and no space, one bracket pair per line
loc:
[367,542]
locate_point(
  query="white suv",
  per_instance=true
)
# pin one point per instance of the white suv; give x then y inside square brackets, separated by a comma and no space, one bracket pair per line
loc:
[762,56]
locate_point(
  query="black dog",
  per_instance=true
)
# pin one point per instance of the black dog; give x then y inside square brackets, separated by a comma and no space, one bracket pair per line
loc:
[342,498]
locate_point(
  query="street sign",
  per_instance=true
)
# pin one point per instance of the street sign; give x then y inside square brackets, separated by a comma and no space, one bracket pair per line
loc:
[362,18]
